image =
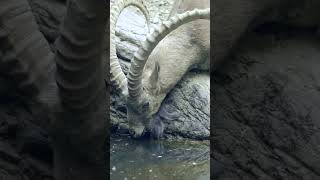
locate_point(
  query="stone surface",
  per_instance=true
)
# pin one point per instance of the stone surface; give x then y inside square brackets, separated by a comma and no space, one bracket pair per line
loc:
[266,113]
[25,149]
[190,99]
[48,14]
[131,30]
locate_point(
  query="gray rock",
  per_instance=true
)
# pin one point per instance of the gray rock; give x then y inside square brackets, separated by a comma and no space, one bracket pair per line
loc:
[266,114]
[48,14]
[191,100]
[131,30]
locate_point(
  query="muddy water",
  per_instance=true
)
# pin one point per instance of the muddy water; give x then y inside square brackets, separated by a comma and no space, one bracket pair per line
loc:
[159,160]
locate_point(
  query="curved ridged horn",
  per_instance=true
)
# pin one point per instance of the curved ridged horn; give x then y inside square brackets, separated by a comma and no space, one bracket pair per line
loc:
[141,56]
[117,75]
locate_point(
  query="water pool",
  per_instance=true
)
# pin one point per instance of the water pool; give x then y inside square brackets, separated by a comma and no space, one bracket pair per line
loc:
[159,160]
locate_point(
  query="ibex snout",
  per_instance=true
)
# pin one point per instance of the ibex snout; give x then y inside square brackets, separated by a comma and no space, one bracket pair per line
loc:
[138,117]
[137,132]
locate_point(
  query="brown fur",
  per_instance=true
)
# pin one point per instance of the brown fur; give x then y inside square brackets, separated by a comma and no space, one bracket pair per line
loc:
[185,48]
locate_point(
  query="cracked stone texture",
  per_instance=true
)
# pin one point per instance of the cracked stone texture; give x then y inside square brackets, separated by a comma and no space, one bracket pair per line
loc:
[25,148]
[191,99]
[48,14]
[266,111]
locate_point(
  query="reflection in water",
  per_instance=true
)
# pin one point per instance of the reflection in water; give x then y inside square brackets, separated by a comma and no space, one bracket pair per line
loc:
[159,160]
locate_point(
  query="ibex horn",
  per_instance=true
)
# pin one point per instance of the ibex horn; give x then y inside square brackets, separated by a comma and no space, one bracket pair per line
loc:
[142,55]
[117,75]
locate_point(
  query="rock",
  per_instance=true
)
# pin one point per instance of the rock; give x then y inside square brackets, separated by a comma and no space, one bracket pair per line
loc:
[22,144]
[48,14]
[6,87]
[266,114]
[191,100]
[131,30]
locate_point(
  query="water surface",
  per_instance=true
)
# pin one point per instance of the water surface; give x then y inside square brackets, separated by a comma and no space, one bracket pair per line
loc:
[159,160]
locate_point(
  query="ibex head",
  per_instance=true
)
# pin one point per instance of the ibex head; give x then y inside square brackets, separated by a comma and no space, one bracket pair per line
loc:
[141,88]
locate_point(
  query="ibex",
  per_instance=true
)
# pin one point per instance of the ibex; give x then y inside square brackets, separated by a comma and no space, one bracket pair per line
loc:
[67,85]
[232,18]
[161,61]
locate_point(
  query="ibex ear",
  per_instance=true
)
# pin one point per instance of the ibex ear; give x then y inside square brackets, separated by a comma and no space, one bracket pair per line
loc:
[155,75]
